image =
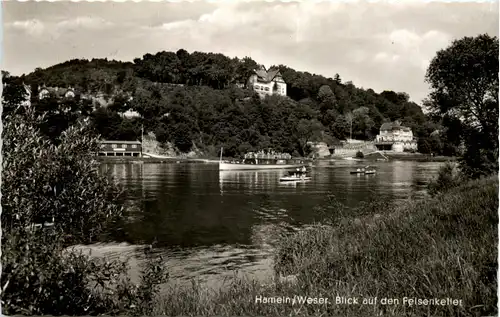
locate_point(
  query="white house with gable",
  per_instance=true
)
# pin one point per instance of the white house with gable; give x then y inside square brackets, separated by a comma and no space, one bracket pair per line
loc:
[395,137]
[267,83]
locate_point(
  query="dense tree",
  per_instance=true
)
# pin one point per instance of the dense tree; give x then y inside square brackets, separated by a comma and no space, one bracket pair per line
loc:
[363,124]
[464,82]
[306,130]
[327,106]
[192,98]
[14,93]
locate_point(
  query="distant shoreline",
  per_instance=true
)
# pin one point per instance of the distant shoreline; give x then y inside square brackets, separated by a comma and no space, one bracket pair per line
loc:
[175,160]
[149,160]
[419,157]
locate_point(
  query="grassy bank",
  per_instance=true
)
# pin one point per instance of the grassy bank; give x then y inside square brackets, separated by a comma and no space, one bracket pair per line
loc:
[442,247]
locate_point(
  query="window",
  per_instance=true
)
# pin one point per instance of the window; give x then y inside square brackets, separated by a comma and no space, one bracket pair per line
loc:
[102,146]
[113,146]
[134,146]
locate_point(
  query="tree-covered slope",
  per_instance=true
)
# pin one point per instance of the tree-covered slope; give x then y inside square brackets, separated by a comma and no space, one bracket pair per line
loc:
[193,99]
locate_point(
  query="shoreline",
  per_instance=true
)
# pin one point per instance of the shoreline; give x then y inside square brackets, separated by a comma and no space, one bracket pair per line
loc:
[394,157]
[177,160]
[151,160]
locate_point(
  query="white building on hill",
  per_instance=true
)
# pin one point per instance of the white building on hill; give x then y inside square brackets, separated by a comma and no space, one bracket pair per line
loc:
[268,82]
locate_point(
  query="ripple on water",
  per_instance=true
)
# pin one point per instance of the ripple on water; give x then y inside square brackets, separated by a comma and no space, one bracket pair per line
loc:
[243,213]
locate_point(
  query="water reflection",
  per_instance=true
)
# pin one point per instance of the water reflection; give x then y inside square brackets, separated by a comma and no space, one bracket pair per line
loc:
[209,223]
[253,181]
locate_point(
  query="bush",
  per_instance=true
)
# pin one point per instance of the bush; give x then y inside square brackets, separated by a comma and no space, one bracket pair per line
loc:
[40,277]
[448,177]
[44,183]
[360,154]
[477,162]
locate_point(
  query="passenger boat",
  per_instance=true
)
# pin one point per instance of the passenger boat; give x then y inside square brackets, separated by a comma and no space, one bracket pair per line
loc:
[299,175]
[364,170]
[262,161]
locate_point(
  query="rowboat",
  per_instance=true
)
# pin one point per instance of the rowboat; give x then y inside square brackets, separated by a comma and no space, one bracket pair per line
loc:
[364,170]
[299,175]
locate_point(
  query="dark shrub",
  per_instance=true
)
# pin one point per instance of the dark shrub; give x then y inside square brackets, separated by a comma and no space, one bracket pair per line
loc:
[44,183]
[448,177]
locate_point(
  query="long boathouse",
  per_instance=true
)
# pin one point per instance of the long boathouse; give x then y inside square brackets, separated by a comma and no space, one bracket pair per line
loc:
[120,148]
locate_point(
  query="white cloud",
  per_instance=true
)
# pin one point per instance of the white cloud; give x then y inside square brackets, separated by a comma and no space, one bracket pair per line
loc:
[32,27]
[185,24]
[84,22]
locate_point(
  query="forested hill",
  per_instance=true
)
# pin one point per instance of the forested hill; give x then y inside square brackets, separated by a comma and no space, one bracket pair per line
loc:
[193,99]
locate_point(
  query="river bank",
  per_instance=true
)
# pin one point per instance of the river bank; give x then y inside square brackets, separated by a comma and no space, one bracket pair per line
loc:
[440,248]
[152,160]
[418,157]
[179,159]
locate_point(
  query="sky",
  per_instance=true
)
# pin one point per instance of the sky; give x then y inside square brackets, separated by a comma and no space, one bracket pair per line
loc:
[378,45]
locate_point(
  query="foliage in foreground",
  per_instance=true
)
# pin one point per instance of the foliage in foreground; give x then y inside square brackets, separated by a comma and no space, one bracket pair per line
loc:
[52,197]
[40,277]
[464,83]
[443,247]
[60,184]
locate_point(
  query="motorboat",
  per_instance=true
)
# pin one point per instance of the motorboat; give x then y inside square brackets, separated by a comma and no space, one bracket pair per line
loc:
[257,165]
[262,161]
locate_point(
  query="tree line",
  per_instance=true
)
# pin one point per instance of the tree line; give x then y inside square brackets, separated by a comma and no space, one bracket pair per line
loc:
[194,100]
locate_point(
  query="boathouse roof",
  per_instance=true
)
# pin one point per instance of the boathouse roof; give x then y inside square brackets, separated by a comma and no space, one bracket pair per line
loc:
[118,141]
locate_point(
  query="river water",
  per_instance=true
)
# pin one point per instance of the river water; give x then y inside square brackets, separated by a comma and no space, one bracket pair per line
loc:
[210,225]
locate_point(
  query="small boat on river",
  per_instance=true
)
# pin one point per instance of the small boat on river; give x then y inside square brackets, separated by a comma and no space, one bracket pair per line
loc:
[262,161]
[300,175]
[364,170]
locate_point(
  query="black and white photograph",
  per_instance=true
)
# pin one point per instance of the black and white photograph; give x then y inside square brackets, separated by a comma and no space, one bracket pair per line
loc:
[249,158]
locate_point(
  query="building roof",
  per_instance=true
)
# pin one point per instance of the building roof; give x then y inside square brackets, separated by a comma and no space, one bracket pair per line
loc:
[389,126]
[386,126]
[121,142]
[267,76]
